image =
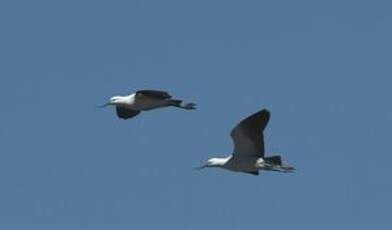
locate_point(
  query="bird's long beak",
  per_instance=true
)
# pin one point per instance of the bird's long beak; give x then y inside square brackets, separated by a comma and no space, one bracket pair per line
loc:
[104,105]
[201,167]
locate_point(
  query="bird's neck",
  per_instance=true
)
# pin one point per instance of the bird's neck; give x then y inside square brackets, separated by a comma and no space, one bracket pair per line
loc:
[124,100]
[219,162]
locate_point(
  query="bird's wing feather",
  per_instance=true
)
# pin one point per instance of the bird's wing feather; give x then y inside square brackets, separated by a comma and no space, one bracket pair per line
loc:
[154,94]
[125,113]
[248,135]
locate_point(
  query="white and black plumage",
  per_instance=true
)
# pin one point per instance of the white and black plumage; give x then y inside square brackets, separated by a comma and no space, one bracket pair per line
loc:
[248,155]
[143,100]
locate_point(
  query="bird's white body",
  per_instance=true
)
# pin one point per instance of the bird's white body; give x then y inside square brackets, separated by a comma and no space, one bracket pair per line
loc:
[248,155]
[243,164]
[140,103]
[238,163]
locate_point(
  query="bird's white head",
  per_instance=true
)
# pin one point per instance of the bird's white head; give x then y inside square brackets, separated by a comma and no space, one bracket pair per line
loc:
[214,162]
[116,100]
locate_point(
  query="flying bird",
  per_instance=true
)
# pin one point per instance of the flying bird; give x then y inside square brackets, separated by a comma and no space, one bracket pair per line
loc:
[143,100]
[248,155]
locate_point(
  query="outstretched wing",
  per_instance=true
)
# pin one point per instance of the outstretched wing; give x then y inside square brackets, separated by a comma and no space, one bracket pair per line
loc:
[125,113]
[154,94]
[248,134]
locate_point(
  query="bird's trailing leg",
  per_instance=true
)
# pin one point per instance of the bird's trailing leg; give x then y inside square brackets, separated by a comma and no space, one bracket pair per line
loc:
[189,106]
[278,168]
[283,168]
[182,105]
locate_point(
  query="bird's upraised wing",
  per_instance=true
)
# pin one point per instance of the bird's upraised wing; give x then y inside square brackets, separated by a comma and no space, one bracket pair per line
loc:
[248,135]
[125,113]
[154,94]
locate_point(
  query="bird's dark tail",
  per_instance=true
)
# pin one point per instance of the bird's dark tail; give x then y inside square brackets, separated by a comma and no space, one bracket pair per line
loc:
[274,160]
[182,105]
[275,164]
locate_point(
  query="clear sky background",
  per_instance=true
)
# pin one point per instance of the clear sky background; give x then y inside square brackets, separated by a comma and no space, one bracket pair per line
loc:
[323,69]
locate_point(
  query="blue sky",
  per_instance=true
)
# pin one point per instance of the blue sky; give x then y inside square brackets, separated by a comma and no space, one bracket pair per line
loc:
[323,69]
